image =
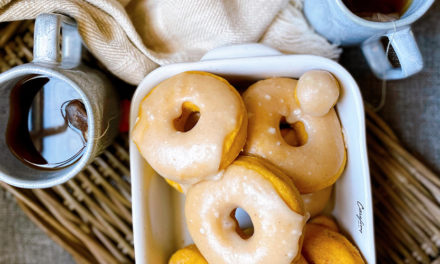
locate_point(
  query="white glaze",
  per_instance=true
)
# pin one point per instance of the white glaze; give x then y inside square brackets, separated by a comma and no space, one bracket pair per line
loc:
[312,166]
[187,157]
[210,203]
[317,92]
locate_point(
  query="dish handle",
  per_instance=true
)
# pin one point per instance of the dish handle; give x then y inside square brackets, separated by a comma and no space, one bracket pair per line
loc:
[240,51]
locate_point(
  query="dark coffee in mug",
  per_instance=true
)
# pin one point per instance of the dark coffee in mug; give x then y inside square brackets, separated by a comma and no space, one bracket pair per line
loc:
[47,126]
[366,7]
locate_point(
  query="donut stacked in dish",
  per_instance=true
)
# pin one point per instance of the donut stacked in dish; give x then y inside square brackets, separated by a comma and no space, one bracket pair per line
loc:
[274,152]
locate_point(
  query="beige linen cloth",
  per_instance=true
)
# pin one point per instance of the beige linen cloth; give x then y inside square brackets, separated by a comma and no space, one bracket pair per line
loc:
[133,37]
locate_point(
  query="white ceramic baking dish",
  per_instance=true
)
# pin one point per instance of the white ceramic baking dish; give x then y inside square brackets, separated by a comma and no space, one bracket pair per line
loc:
[158,218]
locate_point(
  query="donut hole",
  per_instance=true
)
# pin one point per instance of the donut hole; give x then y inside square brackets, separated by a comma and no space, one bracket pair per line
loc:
[243,223]
[188,119]
[293,134]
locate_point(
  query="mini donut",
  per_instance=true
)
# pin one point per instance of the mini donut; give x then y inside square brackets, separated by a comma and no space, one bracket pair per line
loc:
[317,92]
[324,246]
[272,202]
[187,255]
[325,221]
[315,202]
[191,126]
[301,260]
[319,158]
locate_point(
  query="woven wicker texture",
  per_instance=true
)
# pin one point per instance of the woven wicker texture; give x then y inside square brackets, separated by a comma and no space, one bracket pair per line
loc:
[90,216]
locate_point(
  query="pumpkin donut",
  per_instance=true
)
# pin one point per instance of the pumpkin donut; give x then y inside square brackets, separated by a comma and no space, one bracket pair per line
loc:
[301,260]
[187,255]
[191,126]
[325,221]
[315,202]
[325,246]
[272,202]
[312,151]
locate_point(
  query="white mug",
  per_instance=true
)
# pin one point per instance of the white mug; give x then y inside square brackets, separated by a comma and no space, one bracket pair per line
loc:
[57,55]
[333,20]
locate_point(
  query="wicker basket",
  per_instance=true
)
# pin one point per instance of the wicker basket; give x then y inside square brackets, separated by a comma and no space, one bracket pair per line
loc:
[90,216]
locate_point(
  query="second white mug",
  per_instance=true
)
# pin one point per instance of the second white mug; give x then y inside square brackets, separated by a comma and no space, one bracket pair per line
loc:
[333,20]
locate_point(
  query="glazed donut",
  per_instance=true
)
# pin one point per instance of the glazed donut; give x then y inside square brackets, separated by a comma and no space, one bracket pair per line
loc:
[187,255]
[315,202]
[191,126]
[317,92]
[317,156]
[272,202]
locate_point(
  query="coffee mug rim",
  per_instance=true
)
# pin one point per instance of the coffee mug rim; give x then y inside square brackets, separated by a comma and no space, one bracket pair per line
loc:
[386,25]
[34,68]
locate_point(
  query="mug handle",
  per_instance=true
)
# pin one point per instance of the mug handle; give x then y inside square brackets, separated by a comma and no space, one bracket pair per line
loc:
[407,51]
[50,48]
